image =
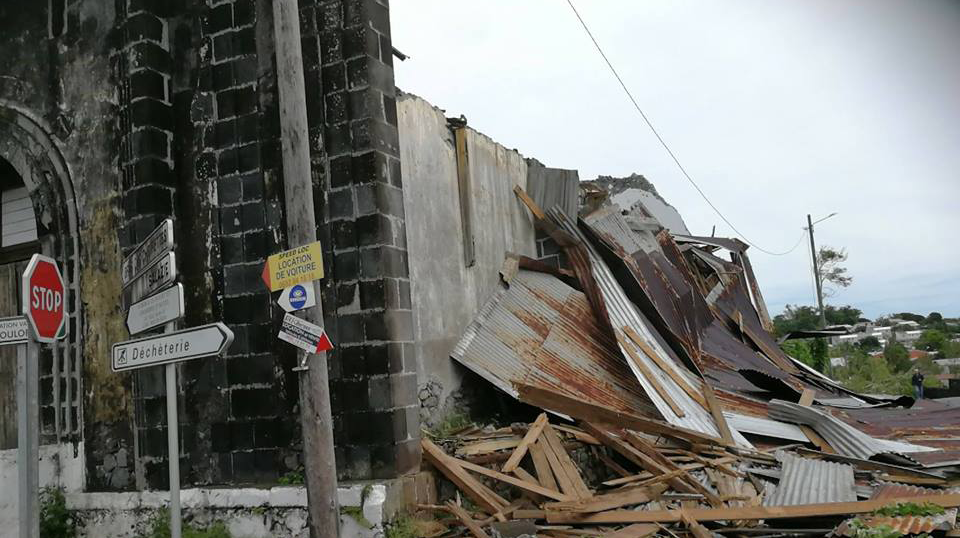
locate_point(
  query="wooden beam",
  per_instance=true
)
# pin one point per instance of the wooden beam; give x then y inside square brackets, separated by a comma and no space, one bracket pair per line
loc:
[948,500]
[542,466]
[665,366]
[566,472]
[531,437]
[698,530]
[632,454]
[807,397]
[650,376]
[642,445]
[468,521]
[590,412]
[815,438]
[469,485]
[522,484]
[638,530]
[717,411]
[609,501]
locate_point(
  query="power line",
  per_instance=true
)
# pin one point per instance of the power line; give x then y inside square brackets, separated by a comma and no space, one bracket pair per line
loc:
[666,147]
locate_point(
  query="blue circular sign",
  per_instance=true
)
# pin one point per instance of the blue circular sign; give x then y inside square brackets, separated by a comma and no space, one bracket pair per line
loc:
[298,296]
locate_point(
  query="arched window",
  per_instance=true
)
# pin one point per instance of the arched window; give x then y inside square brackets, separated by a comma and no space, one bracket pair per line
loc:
[18,222]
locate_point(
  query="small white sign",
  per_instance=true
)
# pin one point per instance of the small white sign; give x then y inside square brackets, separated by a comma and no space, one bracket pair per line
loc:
[303,334]
[156,310]
[14,330]
[297,297]
[193,343]
[155,277]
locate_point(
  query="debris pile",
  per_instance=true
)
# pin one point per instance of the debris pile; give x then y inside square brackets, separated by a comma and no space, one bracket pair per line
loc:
[669,408]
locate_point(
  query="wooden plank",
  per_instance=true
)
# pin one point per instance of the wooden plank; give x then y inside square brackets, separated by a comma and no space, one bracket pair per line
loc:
[531,437]
[469,485]
[531,205]
[637,530]
[527,486]
[566,472]
[542,466]
[698,530]
[717,411]
[468,521]
[632,454]
[522,474]
[947,500]
[665,366]
[529,514]
[577,433]
[650,376]
[815,438]
[806,399]
[9,306]
[651,451]
[643,477]
[486,447]
[609,501]
[546,399]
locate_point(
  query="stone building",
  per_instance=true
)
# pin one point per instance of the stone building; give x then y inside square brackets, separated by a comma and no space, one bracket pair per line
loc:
[116,114]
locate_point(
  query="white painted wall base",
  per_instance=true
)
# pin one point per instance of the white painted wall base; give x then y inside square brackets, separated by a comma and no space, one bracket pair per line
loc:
[279,512]
[60,466]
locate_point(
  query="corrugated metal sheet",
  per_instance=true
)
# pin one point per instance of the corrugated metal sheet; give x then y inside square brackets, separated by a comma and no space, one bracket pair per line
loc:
[906,524]
[807,481]
[620,313]
[765,427]
[846,439]
[552,187]
[542,332]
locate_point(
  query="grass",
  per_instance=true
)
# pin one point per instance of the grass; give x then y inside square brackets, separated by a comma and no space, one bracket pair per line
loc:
[451,424]
[160,528]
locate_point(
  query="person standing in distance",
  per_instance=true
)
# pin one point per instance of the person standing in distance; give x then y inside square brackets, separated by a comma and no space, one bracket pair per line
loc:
[917,381]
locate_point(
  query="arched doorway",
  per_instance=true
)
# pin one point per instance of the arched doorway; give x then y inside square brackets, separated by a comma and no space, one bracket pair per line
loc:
[38,213]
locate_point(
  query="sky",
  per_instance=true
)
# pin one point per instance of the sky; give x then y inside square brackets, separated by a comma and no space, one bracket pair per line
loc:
[776,109]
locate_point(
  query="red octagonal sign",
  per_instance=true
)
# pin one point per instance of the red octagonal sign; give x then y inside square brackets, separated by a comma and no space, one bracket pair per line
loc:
[43,298]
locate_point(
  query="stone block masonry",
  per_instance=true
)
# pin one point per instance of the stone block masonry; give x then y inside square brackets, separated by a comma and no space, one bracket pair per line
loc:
[352,114]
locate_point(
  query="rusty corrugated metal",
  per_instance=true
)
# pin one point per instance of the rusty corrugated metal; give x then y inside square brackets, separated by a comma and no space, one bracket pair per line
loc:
[905,524]
[615,308]
[541,332]
[808,481]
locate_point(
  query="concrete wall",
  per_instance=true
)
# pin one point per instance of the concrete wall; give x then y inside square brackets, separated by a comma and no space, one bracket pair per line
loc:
[60,466]
[445,293]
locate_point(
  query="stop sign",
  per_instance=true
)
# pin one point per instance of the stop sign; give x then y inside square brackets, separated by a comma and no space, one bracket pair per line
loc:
[43,298]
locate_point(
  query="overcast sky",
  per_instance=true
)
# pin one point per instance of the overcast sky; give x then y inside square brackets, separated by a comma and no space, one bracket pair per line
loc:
[777,109]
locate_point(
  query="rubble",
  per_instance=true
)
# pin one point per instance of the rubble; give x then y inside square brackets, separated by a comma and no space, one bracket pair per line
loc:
[669,409]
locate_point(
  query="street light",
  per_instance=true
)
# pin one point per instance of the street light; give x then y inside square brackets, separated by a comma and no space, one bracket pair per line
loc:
[816,267]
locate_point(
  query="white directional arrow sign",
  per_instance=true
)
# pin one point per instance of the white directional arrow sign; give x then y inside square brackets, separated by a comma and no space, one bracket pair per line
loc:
[193,343]
[156,310]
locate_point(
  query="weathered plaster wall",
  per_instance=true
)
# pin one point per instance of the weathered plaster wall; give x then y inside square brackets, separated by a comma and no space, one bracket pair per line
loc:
[60,466]
[446,293]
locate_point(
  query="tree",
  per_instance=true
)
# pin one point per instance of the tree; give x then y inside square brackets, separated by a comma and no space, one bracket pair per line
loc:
[829,265]
[909,316]
[818,349]
[931,340]
[800,350]
[796,318]
[897,356]
[870,343]
[934,317]
[841,315]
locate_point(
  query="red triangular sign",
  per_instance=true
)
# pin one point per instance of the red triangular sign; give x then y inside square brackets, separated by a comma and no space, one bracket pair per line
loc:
[324,344]
[265,275]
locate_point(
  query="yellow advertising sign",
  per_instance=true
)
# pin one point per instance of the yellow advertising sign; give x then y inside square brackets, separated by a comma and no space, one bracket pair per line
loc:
[294,266]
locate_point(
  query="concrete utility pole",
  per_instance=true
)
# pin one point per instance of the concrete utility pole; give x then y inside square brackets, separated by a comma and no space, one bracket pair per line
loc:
[816,268]
[315,415]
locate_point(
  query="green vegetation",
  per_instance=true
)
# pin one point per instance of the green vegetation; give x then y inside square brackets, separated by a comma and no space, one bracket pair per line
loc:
[897,356]
[858,529]
[356,512]
[293,478]
[910,509]
[451,424]
[55,520]
[160,528]
[402,527]
[870,344]
[807,318]
[829,264]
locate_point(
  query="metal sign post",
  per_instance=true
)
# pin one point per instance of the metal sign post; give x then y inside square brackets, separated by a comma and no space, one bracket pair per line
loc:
[28,430]
[173,442]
